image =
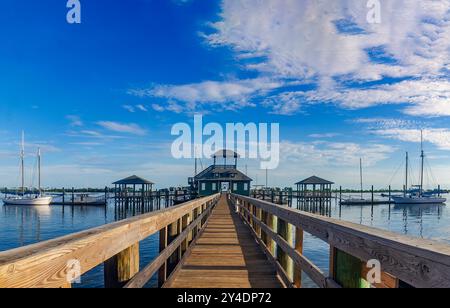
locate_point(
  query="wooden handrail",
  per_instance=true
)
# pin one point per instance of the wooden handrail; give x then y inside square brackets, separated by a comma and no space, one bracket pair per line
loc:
[416,262]
[147,273]
[46,264]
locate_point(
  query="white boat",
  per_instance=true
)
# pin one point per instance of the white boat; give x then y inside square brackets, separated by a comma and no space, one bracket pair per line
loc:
[420,196]
[418,200]
[30,200]
[358,201]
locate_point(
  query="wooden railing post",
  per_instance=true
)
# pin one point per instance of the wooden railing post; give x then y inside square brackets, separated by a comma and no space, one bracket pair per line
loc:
[285,231]
[173,232]
[184,223]
[162,275]
[122,267]
[346,270]
[299,249]
[271,223]
[259,216]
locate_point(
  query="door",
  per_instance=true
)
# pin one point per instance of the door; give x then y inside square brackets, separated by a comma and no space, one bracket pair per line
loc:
[225,186]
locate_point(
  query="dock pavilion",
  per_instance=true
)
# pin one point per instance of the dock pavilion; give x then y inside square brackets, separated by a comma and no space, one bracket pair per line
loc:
[314,191]
[221,177]
[133,189]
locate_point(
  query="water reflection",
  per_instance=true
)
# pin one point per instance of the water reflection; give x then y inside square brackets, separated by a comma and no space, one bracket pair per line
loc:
[21,226]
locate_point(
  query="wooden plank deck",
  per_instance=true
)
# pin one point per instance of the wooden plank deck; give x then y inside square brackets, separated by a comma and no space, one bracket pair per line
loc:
[225,256]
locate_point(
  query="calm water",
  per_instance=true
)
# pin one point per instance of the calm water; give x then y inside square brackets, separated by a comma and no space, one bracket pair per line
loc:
[419,221]
[21,226]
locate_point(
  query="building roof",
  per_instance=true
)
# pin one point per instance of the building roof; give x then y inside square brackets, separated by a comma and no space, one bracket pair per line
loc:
[225,154]
[222,173]
[314,180]
[133,180]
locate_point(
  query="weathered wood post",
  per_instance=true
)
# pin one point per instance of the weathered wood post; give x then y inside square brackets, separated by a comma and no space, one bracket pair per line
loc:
[63,196]
[285,231]
[270,221]
[299,249]
[162,273]
[172,235]
[185,221]
[373,199]
[346,270]
[122,267]
[106,195]
[73,196]
[259,215]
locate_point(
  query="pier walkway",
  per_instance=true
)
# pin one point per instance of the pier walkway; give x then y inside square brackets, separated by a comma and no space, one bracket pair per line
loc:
[231,241]
[226,255]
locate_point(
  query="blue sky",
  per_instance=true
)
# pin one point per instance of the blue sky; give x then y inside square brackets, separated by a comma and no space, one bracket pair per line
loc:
[100,97]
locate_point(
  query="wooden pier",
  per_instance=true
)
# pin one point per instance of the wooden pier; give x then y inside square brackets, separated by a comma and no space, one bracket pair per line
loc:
[230,241]
[225,256]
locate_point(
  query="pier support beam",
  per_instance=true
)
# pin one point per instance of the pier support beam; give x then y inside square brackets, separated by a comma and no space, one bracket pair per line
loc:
[122,267]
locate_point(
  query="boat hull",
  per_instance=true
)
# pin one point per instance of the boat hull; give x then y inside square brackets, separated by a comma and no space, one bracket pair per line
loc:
[40,201]
[408,200]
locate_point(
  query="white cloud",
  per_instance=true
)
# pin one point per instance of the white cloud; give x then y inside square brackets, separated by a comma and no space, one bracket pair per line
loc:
[408,131]
[129,108]
[123,128]
[334,153]
[324,136]
[440,137]
[424,97]
[74,120]
[236,94]
[301,41]
[142,108]
[158,108]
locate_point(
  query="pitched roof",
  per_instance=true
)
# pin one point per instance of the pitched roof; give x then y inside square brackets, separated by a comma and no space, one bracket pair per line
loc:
[224,173]
[133,180]
[226,154]
[314,180]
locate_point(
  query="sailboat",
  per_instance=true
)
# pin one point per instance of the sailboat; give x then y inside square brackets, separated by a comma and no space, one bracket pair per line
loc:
[361,200]
[418,196]
[29,200]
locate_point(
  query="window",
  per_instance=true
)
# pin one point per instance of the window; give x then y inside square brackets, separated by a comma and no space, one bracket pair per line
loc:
[235,186]
[203,186]
[245,186]
[214,186]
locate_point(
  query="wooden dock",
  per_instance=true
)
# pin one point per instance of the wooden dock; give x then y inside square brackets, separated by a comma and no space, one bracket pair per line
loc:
[225,256]
[228,240]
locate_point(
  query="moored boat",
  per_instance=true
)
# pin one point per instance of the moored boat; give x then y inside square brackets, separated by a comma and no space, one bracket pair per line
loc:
[419,196]
[28,200]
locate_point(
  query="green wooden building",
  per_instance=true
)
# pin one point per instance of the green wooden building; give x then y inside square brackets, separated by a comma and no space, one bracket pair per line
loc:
[221,177]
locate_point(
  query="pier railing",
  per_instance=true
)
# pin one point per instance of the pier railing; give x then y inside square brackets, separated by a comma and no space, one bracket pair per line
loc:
[355,250]
[56,263]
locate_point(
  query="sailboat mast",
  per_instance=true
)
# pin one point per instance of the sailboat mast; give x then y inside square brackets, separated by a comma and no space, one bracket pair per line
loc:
[22,163]
[195,167]
[39,171]
[361,178]
[422,156]
[406,173]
